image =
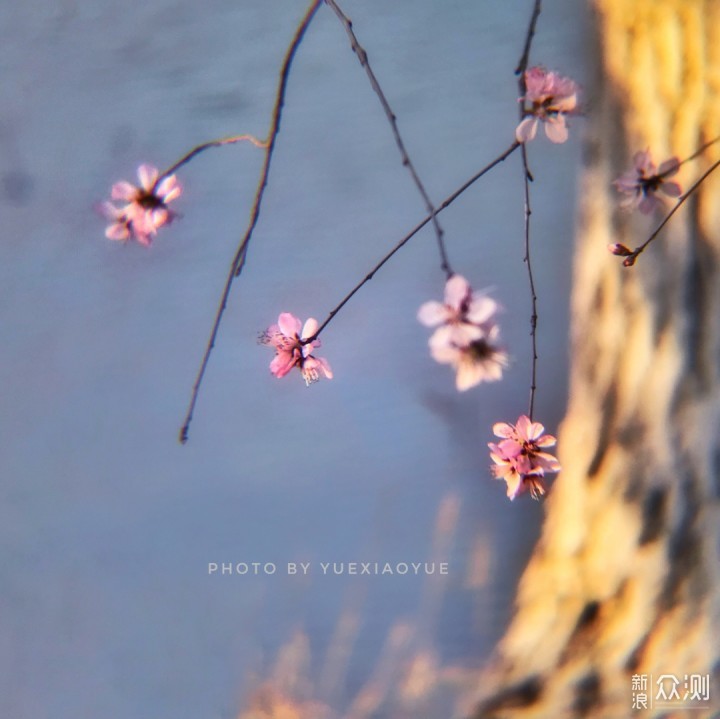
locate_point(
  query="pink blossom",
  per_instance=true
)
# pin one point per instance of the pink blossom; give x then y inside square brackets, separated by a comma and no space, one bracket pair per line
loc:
[462,310]
[519,458]
[477,359]
[642,183]
[146,206]
[467,335]
[551,97]
[293,350]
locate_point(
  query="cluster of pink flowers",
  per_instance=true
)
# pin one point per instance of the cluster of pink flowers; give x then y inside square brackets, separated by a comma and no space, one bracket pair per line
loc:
[467,335]
[551,98]
[146,206]
[641,184]
[466,332]
[519,458]
[293,348]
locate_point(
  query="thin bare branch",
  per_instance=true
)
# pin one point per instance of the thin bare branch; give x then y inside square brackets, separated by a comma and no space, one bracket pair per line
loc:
[525,57]
[212,143]
[446,203]
[238,260]
[531,283]
[695,154]
[527,179]
[362,56]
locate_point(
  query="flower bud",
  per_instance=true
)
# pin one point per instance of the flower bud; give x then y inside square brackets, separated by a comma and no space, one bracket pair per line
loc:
[620,249]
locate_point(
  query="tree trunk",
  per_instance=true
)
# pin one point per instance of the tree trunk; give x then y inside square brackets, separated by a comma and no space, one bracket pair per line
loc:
[624,579]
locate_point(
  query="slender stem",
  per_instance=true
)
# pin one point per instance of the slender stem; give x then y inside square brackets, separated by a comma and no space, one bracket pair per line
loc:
[531,282]
[630,259]
[212,143]
[362,56]
[238,260]
[525,57]
[527,179]
[695,154]
[674,168]
[446,203]
[274,130]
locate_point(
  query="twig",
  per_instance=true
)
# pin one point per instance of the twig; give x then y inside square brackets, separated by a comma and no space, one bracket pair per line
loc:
[274,130]
[392,119]
[238,260]
[212,143]
[527,179]
[695,154]
[525,57]
[630,258]
[446,203]
[531,282]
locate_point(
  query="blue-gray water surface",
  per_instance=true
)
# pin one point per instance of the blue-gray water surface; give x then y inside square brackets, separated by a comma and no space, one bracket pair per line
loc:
[108,524]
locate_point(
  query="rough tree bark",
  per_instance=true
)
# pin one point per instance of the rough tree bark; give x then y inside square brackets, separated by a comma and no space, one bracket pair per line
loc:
[624,579]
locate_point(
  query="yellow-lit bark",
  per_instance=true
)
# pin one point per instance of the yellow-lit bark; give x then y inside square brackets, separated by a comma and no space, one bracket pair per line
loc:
[625,578]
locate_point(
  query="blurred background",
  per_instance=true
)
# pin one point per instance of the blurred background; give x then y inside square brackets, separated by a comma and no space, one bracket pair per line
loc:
[107,523]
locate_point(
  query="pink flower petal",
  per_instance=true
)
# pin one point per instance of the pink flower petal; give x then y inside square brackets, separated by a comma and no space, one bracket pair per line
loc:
[522,426]
[565,104]
[147,174]
[142,222]
[648,204]
[534,431]
[510,448]
[282,363]
[628,183]
[111,212]
[309,328]
[514,485]
[669,167]
[457,290]
[526,130]
[289,324]
[535,82]
[556,130]
[168,189]
[433,313]
[463,334]
[117,231]
[442,337]
[643,163]
[565,89]
[494,368]
[502,471]
[523,464]
[445,354]
[671,189]
[495,453]
[547,462]
[158,217]
[469,374]
[503,429]
[481,309]
[123,191]
[325,366]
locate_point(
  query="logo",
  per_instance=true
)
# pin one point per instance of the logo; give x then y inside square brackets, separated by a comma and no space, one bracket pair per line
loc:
[687,691]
